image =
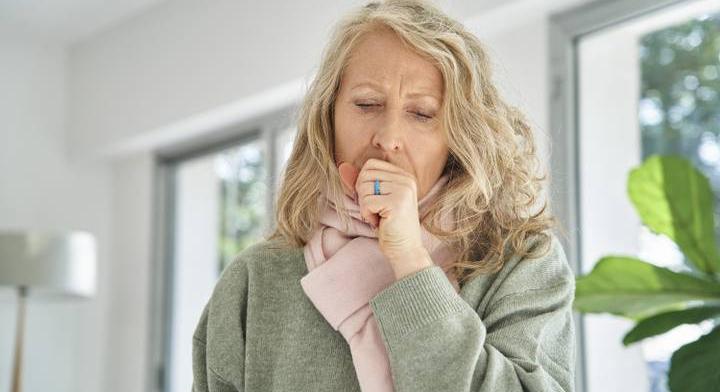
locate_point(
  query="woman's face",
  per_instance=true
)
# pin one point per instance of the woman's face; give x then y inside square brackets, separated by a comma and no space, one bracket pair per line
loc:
[388,107]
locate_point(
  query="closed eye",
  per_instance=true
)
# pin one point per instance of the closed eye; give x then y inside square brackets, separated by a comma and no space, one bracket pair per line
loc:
[366,106]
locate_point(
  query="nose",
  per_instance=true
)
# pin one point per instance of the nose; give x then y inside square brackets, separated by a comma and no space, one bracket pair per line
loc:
[388,136]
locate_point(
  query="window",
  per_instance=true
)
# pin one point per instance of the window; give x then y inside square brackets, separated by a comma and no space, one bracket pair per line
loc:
[220,203]
[630,79]
[243,191]
[679,113]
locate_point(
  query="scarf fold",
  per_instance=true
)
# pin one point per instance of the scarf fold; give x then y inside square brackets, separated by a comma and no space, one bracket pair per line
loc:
[346,269]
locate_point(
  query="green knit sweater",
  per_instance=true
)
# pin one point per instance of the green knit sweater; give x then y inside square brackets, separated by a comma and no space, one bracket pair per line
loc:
[508,331]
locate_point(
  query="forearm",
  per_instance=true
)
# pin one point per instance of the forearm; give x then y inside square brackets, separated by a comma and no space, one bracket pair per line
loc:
[436,341]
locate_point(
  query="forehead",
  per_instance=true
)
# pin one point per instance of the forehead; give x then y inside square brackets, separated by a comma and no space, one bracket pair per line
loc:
[380,57]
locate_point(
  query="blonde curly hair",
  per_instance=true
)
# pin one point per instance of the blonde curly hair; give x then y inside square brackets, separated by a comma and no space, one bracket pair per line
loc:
[492,189]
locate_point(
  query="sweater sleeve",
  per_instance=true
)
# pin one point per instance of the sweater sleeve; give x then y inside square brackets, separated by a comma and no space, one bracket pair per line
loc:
[523,342]
[218,346]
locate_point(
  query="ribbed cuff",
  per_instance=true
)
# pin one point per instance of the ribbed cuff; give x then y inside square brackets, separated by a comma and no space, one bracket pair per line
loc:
[414,301]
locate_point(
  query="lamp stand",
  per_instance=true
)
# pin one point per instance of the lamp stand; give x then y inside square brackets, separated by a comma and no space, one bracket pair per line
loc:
[17,370]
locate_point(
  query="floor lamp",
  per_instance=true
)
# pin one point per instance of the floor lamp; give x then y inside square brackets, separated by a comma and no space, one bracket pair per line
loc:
[50,264]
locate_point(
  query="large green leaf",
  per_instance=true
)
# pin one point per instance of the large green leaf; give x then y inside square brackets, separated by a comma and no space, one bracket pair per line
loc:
[630,287]
[695,367]
[663,322]
[674,198]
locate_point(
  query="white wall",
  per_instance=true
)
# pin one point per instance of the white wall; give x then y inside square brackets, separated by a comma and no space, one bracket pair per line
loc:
[65,342]
[520,67]
[184,58]
[128,313]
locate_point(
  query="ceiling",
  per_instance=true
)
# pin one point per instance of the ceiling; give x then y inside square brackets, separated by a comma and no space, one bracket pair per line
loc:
[64,22]
[68,21]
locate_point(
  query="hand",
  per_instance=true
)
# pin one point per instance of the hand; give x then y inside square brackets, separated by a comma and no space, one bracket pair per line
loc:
[394,212]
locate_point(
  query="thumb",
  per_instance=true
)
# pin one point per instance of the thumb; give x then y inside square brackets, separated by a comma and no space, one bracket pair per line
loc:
[348,174]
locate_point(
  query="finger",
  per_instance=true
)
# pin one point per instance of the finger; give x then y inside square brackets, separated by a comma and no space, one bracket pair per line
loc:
[390,183]
[374,206]
[371,214]
[374,163]
[369,176]
[367,215]
[367,188]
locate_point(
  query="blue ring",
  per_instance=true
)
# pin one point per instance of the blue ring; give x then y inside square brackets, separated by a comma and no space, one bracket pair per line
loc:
[377,186]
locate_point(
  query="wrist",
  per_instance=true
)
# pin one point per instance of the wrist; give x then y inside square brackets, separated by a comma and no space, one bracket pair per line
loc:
[411,262]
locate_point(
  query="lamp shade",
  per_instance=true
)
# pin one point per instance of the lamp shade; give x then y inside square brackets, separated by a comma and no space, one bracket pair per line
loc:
[49,263]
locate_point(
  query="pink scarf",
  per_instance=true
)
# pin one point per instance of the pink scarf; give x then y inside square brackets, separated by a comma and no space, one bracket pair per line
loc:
[346,270]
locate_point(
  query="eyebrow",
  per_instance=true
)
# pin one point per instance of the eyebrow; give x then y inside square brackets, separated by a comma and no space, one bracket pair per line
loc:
[378,87]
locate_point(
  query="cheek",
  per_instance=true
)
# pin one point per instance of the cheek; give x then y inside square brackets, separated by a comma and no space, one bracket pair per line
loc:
[352,127]
[429,154]
[430,144]
[351,135]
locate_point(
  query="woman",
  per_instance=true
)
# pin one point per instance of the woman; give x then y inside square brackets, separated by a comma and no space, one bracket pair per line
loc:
[409,252]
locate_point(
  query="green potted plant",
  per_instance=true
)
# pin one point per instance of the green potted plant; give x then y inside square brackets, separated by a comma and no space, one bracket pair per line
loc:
[674,199]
